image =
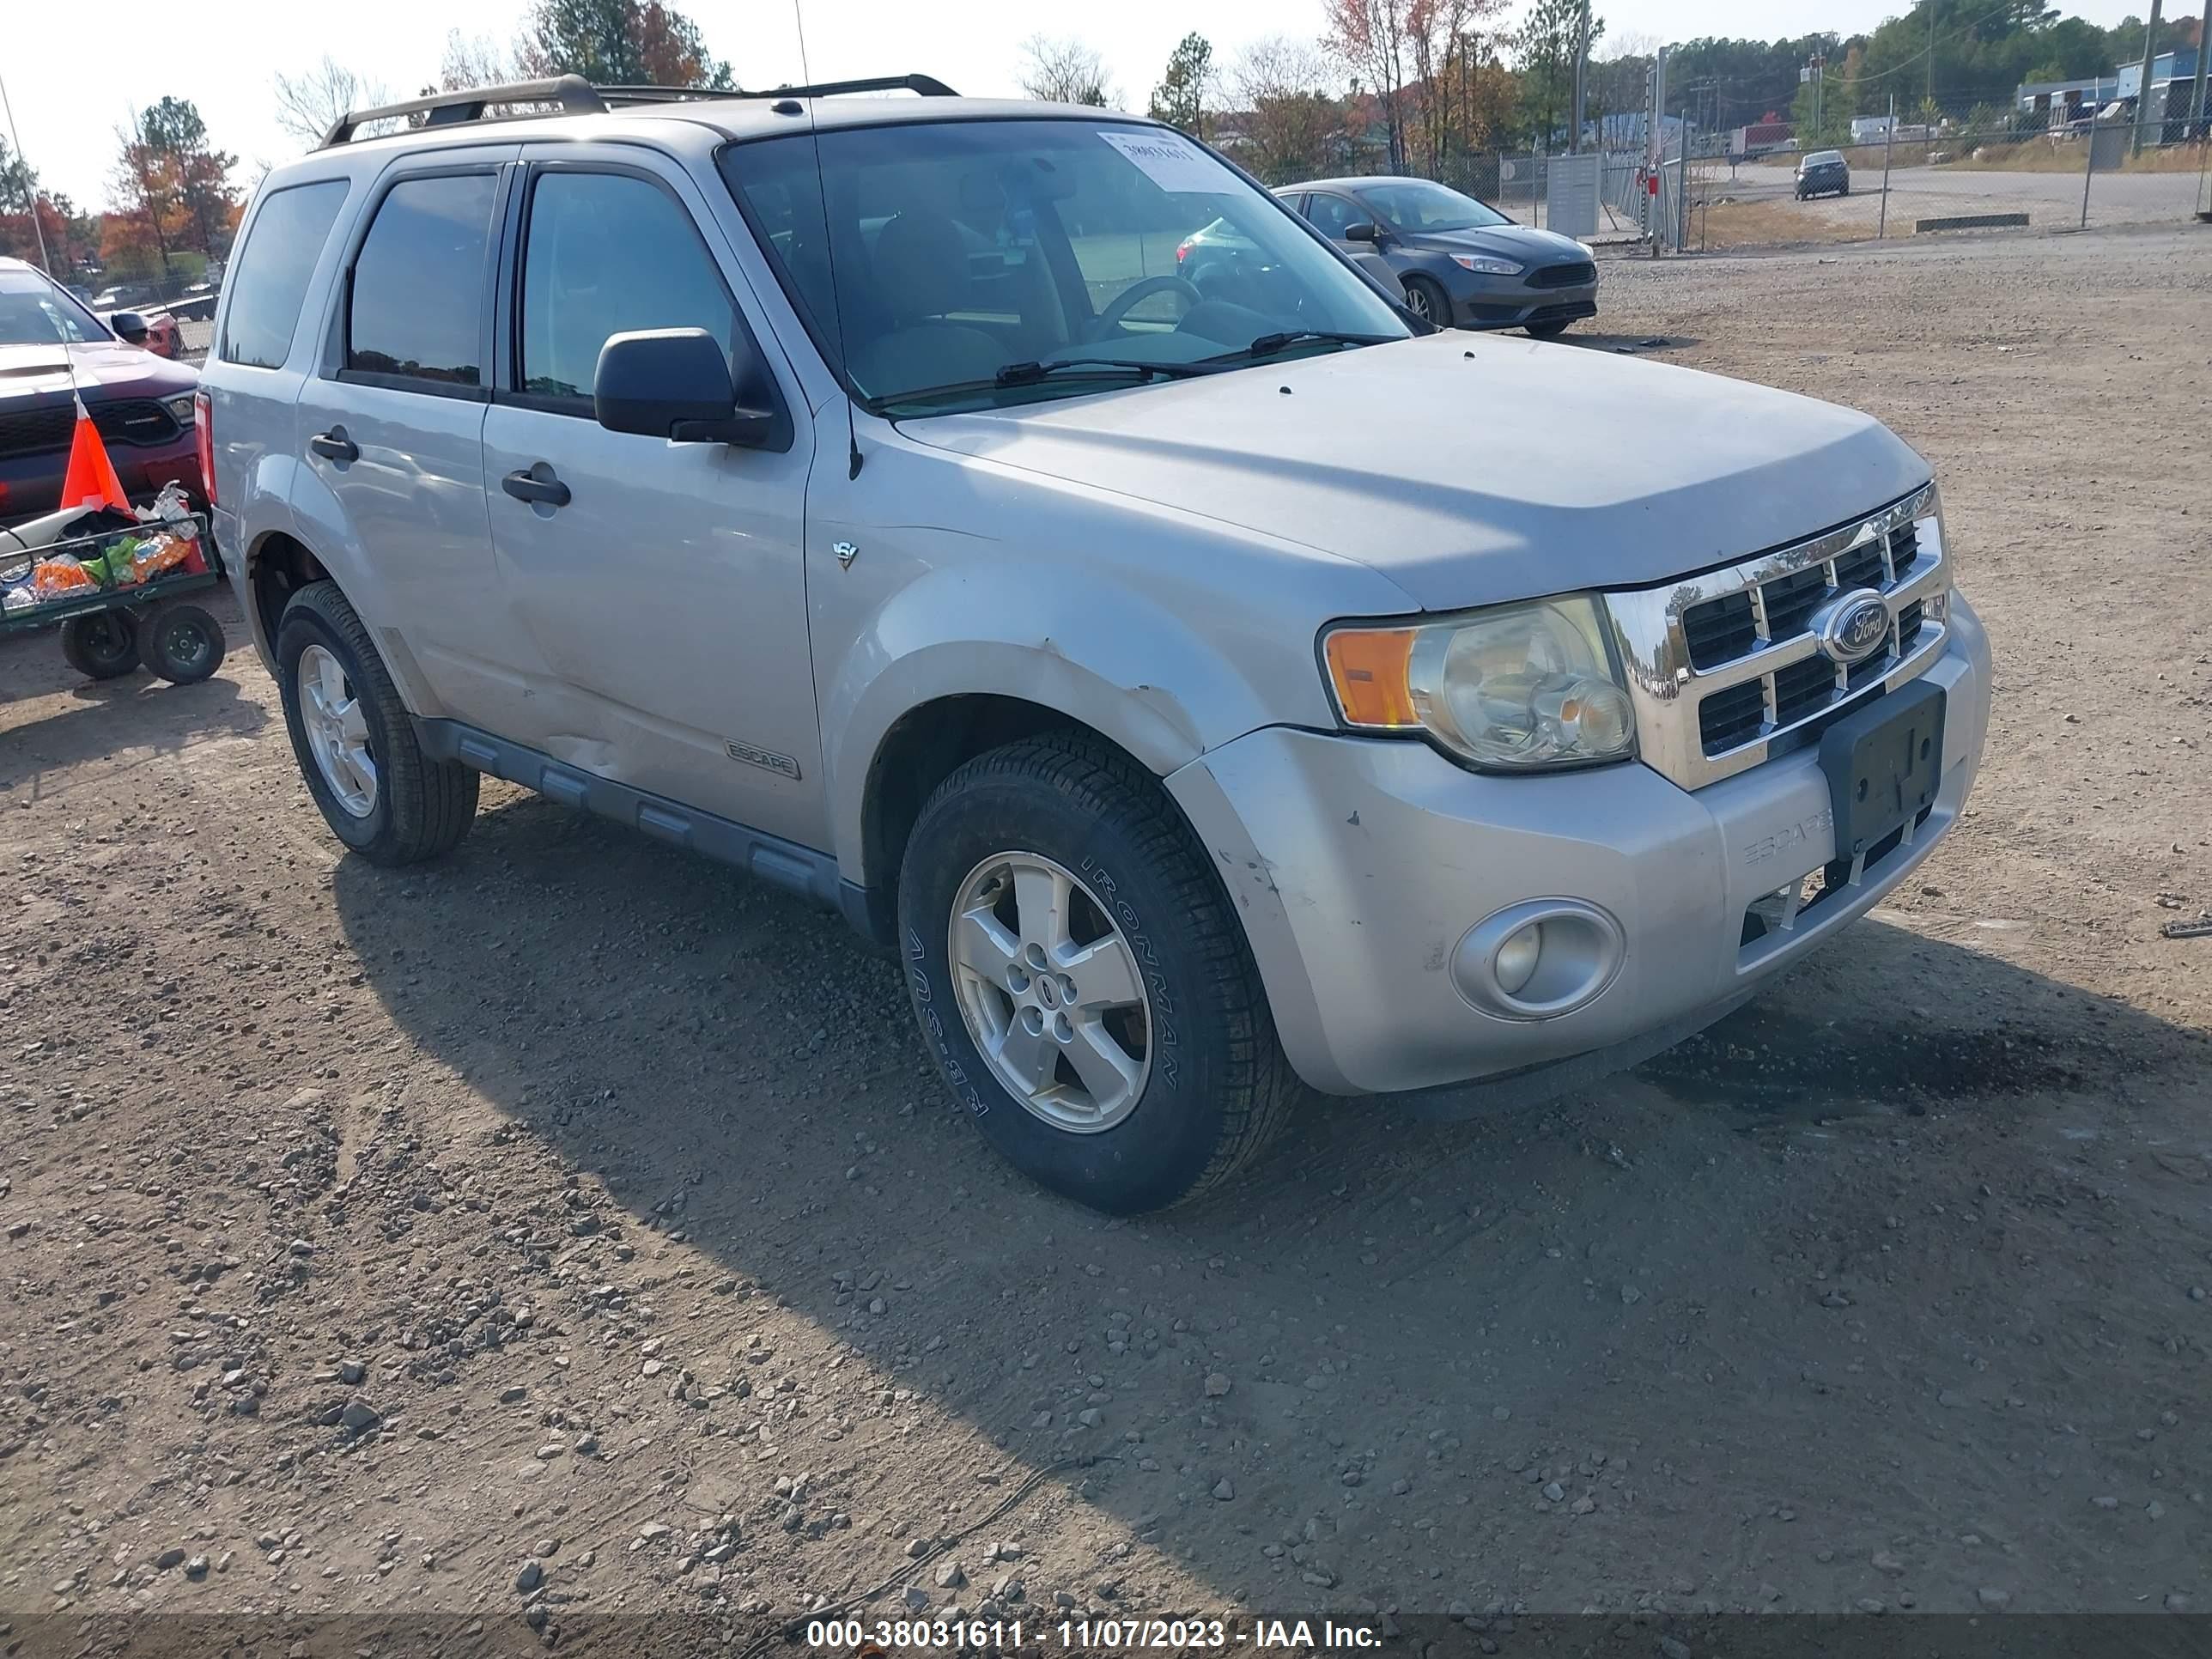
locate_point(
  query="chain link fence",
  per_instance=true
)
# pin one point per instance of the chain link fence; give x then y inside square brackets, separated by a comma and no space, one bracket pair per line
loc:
[2089,176]
[1997,175]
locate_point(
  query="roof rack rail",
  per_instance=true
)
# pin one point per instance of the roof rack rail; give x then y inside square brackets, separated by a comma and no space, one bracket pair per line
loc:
[928,85]
[577,96]
[573,94]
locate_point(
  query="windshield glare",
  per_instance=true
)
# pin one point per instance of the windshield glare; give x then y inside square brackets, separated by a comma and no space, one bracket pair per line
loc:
[961,248]
[1416,206]
[34,312]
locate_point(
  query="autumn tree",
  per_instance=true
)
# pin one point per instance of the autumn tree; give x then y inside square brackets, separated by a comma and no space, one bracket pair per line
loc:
[146,218]
[1288,122]
[22,197]
[1179,100]
[207,201]
[1371,36]
[1064,71]
[618,43]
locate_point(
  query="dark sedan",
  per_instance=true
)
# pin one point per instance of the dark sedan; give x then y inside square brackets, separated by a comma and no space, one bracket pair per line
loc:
[1460,262]
[1823,173]
[50,345]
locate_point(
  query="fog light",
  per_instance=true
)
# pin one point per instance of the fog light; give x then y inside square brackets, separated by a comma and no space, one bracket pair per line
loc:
[1538,959]
[1517,958]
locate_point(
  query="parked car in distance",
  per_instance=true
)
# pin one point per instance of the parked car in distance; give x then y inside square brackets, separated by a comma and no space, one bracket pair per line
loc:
[1461,262]
[50,347]
[1823,173]
[1208,696]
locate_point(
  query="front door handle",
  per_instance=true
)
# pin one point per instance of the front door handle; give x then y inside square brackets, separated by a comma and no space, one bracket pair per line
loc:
[335,445]
[537,484]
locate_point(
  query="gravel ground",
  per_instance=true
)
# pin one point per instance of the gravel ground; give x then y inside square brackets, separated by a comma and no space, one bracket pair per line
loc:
[574,1227]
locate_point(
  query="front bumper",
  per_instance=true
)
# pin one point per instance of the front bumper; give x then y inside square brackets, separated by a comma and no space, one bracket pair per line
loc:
[1358,866]
[1510,302]
[32,484]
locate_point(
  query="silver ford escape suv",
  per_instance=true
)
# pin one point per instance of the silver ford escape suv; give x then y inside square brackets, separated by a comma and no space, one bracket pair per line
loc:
[1212,686]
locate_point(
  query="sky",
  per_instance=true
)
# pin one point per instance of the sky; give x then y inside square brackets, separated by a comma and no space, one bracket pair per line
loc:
[141,49]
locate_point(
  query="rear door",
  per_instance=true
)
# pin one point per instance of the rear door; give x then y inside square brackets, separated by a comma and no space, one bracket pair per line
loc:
[663,603]
[391,428]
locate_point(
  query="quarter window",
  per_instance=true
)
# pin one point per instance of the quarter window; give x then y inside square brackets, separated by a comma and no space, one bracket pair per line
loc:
[418,283]
[607,253]
[269,278]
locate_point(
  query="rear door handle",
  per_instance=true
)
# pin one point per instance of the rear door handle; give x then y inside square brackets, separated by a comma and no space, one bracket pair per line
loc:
[335,445]
[537,484]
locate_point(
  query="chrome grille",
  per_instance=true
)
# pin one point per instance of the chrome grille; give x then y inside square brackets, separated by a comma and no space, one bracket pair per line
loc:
[1723,664]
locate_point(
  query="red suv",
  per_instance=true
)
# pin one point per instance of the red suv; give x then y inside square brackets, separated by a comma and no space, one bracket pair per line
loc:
[142,404]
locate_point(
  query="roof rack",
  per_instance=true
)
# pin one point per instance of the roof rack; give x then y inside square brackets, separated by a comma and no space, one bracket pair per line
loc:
[573,94]
[577,96]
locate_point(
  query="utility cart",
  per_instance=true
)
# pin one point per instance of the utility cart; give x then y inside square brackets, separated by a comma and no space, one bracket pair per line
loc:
[122,597]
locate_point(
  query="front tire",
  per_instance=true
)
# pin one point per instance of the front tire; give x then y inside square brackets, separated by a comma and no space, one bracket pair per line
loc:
[380,793]
[1081,981]
[1427,300]
[1550,330]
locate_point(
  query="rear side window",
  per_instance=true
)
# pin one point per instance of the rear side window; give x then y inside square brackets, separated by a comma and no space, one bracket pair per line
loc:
[268,276]
[417,304]
[607,253]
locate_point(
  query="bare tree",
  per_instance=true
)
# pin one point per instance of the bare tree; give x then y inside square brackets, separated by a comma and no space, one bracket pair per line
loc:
[1285,119]
[307,104]
[1064,71]
[473,60]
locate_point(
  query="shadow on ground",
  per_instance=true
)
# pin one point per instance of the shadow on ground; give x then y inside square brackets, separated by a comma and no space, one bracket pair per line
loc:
[1652,1272]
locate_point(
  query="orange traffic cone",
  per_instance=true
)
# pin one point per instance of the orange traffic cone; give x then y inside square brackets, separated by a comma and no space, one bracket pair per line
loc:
[91,480]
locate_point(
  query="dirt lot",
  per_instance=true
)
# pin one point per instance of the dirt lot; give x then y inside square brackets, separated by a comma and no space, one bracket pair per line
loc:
[578,1217]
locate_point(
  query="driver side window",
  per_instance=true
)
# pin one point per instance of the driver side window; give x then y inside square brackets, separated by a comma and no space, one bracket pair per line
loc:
[1332,214]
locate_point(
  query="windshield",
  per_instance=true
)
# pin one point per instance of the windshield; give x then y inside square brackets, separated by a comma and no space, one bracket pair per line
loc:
[1415,205]
[965,249]
[34,312]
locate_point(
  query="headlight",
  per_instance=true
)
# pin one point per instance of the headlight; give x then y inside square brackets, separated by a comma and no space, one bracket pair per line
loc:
[1484,265]
[180,408]
[1514,688]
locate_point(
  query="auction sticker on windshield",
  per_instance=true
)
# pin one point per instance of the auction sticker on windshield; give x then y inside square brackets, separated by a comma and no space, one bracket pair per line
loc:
[1171,162]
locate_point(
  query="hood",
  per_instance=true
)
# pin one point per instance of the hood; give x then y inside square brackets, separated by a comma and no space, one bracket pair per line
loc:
[1521,242]
[1470,469]
[100,368]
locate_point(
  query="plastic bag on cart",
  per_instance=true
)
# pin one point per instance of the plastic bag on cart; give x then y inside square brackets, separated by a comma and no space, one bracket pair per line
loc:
[60,577]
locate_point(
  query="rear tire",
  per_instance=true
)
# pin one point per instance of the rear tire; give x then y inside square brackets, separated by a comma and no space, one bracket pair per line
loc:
[406,807]
[103,646]
[1211,1084]
[1426,299]
[183,643]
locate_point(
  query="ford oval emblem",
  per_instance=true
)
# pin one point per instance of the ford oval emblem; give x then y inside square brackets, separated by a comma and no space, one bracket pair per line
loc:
[1855,627]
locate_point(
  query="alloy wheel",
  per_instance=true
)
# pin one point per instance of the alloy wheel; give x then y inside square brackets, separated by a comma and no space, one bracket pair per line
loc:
[338,730]
[1051,992]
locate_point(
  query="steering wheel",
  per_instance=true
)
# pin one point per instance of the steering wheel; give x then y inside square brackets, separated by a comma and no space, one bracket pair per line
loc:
[1126,301]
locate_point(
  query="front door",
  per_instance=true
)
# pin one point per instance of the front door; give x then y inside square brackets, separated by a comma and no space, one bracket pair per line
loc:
[663,599]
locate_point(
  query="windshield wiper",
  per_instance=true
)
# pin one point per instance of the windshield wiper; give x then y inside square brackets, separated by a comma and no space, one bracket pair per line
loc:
[1268,344]
[1030,374]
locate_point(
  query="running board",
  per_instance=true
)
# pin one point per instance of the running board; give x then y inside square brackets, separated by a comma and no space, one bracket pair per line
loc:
[783,863]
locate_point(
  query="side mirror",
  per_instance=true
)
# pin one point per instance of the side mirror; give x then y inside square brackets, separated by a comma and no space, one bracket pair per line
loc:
[674,383]
[129,325]
[1363,231]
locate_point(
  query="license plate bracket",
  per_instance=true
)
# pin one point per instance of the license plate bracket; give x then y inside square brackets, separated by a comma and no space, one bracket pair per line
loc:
[1883,763]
